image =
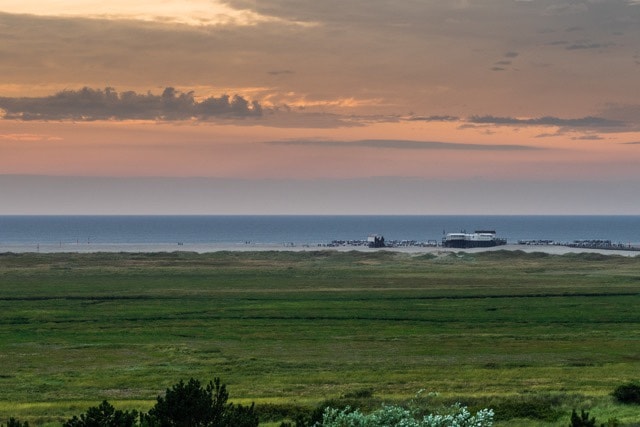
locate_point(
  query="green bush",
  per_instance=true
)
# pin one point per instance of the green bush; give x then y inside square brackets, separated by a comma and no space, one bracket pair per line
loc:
[269,412]
[535,407]
[183,405]
[16,423]
[311,417]
[581,420]
[190,404]
[628,393]
[393,415]
[103,415]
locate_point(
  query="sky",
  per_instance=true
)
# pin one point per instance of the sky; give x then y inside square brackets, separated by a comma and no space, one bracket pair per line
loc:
[320,107]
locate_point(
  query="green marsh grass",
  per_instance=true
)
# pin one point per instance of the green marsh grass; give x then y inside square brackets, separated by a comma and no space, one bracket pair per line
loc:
[304,327]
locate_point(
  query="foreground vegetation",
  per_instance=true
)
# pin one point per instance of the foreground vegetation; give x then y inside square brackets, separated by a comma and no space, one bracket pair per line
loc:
[531,336]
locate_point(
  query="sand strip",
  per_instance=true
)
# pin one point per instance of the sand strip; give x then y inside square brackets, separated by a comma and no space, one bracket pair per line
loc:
[242,247]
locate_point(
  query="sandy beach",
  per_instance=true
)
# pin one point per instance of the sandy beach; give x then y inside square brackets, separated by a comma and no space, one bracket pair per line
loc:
[244,247]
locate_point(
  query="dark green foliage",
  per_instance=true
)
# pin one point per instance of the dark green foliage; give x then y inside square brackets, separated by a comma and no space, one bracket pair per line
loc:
[269,412]
[305,418]
[183,405]
[103,415]
[309,419]
[627,393]
[314,417]
[364,393]
[537,407]
[191,405]
[302,416]
[16,423]
[582,420]
[240,416]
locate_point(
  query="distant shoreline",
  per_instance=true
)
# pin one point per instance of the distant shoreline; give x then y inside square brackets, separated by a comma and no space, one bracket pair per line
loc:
[50,248]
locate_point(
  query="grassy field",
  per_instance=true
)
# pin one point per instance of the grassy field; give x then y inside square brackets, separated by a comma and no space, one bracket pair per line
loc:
[301,327]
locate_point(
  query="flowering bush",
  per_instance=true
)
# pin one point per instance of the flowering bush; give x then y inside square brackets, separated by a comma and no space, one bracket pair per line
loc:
[396,416]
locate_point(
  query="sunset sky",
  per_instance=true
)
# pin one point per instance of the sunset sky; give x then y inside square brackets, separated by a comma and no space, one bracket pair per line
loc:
[320,107]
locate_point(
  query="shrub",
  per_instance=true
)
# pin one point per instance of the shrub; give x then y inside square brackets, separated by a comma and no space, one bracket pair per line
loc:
[536,407]
[364,404]
[303,420]
[397,416]
[190,404]
[16,423]
[627,393]
[103,415]
[269,412]
[240,416]
[583,420]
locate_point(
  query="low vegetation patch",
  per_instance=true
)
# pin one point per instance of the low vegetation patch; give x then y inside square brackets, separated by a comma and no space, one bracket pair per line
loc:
[628,393]
[520,333]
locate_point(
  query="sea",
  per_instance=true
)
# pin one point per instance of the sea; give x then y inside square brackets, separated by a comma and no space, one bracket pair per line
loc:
[305,229]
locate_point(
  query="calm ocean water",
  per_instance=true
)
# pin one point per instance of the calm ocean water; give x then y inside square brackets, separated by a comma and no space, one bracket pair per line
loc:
[305,229]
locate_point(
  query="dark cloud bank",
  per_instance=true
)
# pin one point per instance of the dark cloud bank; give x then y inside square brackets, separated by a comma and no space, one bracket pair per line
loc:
[96,104]
[582,122]
[88,104]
